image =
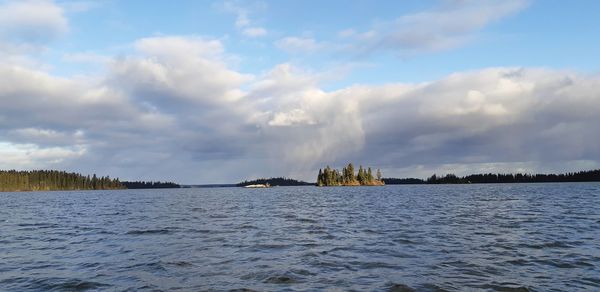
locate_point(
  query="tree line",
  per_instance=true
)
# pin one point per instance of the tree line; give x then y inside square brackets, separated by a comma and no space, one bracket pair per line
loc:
[51,180]
[347,177]
[150,185]
[55,180]
[581,176]
[274,181]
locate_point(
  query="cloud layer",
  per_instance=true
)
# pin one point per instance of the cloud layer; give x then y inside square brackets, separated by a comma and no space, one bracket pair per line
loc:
[175,109]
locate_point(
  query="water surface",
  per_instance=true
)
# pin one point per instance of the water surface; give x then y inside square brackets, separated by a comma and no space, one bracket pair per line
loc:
[515,237]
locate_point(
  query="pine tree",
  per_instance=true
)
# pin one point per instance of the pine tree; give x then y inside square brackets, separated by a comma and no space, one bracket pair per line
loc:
[320,178]
[351,177]
[361,175]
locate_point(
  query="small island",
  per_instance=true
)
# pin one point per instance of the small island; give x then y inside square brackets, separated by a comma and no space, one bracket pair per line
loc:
[332,177]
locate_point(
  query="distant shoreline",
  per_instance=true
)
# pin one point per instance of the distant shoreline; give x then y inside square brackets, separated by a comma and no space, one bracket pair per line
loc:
[310,185]
[52,180]
[56,180]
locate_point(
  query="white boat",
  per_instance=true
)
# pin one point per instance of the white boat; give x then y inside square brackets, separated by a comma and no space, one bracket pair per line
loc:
[257,186]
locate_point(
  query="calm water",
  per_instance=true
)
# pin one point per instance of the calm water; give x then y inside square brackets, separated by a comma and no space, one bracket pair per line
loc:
[466,237]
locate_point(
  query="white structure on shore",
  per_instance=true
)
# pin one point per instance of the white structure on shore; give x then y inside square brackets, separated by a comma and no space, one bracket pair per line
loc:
[258,186]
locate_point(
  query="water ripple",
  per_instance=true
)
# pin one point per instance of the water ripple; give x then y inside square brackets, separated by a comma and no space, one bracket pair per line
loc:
[535,237]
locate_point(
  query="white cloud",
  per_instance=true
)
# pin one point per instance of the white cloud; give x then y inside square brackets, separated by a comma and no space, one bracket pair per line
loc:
[31,21]
[254,31]
[242,21]
[444,28]
[300,44]
[31,156]
[178,69]
[346,33]
[450,25]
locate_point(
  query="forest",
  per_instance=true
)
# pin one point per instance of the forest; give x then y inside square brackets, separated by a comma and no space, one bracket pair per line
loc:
[581,176]
[347,177]
[55,180]
[51,180]
[150,185]
[275,181]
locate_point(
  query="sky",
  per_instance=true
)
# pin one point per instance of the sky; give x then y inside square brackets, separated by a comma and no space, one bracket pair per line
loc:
[221,91]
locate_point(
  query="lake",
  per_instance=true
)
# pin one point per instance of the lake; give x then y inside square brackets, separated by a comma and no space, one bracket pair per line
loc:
[512,237]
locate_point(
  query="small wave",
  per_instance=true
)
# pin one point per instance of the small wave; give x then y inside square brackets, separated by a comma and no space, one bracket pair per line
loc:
[307,220]
[89,265]
[505,287]
[400,288]
[148,231]
[180,264]
[269,246]
[280,280]
[373,265]
[591,281]
[565,265]
[518,262]
[436,288]
[288,277]
[371,231]
[39,225]
[153,266]
[554,244]
[316,231]
[404,241]
[61,284]
[218,216]
[200,230]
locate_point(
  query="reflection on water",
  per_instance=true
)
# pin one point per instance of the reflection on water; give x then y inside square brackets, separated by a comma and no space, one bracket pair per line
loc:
[399,238]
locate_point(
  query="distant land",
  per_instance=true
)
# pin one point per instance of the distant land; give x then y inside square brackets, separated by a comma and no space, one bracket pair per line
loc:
[275,181]
[55,180]
[581,176]
[150,185]
[332,177]
[208,186]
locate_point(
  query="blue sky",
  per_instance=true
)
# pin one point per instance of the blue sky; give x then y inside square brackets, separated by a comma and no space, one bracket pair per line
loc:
[542,34]
[263,88]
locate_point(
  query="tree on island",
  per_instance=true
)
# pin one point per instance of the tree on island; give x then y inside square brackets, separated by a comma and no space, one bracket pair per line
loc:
[333,177]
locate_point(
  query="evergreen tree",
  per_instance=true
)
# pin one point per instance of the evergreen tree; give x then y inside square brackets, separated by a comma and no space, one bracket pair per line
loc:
[361,175]
[320,178]
[350,172]
[334,177]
